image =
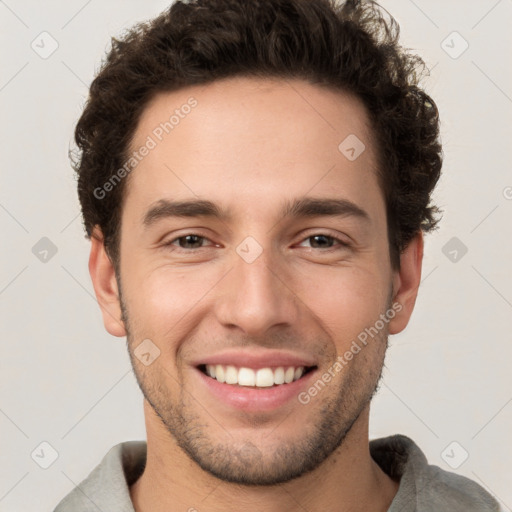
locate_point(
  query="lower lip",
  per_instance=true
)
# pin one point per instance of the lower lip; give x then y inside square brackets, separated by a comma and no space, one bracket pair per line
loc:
[256,399]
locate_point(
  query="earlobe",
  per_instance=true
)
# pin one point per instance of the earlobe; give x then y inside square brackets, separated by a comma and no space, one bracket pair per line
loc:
[406,283]
[105,285]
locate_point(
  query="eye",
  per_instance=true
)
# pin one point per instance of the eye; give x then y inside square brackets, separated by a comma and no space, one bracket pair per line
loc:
[193,241]
[324,240]
[189,238]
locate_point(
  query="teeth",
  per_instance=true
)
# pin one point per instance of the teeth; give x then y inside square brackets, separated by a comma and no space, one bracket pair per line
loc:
[219,373]
[298,373]
[231,375]
[288,375]
[279,375]
[262,378]
[246,377]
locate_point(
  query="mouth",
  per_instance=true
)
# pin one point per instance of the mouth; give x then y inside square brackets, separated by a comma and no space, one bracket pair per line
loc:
[256,380]
[265,377]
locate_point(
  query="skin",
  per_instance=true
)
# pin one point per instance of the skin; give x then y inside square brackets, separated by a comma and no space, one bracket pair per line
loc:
[248,145]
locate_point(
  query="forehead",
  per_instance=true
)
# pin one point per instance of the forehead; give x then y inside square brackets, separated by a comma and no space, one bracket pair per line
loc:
[262,105]
[247,137]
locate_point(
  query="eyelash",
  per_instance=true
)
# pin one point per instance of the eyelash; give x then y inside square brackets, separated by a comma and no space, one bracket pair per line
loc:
[341,243]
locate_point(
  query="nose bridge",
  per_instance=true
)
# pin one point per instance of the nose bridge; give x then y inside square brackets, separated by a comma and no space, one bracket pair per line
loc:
[255,296]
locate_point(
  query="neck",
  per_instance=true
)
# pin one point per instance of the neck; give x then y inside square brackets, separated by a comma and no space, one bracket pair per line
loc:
[348,481]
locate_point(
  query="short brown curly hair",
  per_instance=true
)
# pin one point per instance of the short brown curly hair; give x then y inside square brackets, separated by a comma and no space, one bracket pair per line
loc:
[350,46]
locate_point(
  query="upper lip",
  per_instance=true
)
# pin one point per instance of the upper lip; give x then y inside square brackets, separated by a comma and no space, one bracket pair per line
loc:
[257,359]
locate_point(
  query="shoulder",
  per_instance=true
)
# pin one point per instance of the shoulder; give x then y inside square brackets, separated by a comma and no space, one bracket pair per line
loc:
[107,486]
[427,486]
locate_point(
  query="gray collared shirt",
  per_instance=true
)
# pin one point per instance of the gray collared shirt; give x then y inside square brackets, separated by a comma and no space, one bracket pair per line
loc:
[423,487]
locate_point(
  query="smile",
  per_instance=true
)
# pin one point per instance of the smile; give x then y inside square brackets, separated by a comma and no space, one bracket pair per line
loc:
[259,378]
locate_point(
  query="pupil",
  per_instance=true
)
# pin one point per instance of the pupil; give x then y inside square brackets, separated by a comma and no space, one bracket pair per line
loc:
[321,236]
[183,239]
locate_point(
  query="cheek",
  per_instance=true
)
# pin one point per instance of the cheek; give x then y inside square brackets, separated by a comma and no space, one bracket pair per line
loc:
[347,300]
[166,302]
[165,297]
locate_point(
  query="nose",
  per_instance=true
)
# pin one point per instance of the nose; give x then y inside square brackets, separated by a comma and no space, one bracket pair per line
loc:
[257,296]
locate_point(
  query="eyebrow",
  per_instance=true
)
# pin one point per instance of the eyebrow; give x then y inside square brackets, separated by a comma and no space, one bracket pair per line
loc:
[304,207]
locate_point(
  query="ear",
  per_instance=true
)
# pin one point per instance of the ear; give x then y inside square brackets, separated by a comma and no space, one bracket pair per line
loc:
[105,285]
[406,282]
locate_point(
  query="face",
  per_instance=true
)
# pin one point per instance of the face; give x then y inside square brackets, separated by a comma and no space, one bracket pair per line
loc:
[258,289]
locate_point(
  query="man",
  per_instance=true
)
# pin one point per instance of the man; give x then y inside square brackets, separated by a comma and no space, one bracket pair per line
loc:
[255,178]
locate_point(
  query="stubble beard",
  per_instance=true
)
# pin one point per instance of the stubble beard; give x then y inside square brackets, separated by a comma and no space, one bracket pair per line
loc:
[242,462]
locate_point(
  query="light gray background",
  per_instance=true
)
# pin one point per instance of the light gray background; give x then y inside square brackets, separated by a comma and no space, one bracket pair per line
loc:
[67,382]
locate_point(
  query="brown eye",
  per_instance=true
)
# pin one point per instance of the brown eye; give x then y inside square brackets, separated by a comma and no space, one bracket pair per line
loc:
[188,242]
[191,239]
[325,241]
[321,241]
